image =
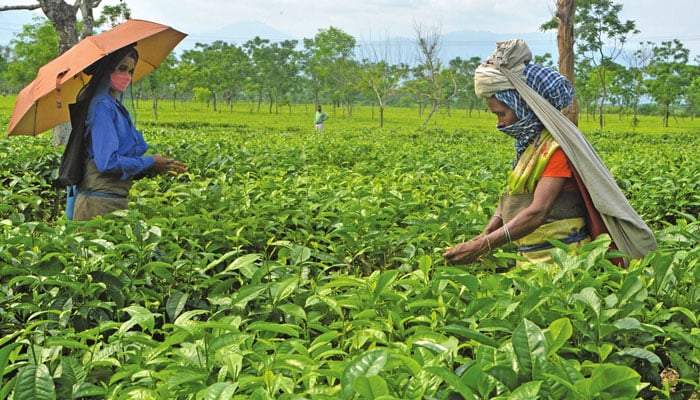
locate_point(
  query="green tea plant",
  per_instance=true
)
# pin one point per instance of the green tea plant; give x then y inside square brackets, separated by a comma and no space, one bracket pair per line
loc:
[289,263]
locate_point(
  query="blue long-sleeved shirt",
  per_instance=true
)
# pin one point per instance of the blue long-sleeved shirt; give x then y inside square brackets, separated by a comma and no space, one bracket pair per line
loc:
[116,145]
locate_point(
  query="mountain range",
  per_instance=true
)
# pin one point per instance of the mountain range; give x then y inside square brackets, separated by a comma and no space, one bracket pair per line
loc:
[464,44]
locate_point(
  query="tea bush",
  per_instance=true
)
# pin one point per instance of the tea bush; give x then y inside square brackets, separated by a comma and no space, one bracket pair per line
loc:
[289,263]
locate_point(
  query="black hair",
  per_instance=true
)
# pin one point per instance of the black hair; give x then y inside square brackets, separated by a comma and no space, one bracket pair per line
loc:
[102,69]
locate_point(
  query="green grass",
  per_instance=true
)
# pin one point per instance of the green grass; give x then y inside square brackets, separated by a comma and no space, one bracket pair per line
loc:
[301,117]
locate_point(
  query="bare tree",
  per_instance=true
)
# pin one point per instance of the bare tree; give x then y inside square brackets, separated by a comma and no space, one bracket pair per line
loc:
[382,71]
[441,85]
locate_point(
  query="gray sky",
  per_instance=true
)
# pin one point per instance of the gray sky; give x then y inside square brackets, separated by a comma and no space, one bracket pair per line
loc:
[379,19]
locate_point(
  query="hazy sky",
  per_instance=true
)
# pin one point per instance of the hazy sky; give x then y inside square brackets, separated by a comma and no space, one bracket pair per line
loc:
[378,19]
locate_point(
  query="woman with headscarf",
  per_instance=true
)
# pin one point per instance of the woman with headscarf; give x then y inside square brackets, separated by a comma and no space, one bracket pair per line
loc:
[545,197]
[115,149]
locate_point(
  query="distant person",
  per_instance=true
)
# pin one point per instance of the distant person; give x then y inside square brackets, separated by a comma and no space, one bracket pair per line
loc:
[320,118]
[558,188]
[115,149]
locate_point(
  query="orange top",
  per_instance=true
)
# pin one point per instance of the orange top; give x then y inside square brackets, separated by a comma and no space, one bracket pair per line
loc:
[558,167]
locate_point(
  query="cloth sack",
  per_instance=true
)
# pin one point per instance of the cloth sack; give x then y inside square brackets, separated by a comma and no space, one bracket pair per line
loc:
[72,167]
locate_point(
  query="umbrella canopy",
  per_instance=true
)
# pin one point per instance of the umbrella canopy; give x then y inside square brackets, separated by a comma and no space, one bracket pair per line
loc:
[42,104]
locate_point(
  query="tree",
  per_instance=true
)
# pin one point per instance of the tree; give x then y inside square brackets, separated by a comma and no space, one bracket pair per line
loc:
[113,15]
[416,86]
[328,64]
[586,87]
[440,87]
[35,46]
[221,67]
[566,10]
[4,61]
[382,79]
[692,96]
[638,63]
[345,84]
[236,67]
[282,73]
[276,70]
[621,87]
[202,95]
[312,67]
[601,38]
[63,17]
[668,77]
[158,82]
[382,72]
[256,81]
[182,82]
[464,72]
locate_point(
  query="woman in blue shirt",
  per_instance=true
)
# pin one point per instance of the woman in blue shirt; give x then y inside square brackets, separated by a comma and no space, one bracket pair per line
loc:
[115,149]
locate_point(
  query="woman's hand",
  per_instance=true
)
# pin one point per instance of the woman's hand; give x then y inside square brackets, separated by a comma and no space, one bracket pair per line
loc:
[164,165]
[466,252]
[522,224]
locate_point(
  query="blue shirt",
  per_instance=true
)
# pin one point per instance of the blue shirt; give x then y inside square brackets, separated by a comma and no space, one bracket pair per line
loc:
[116,145]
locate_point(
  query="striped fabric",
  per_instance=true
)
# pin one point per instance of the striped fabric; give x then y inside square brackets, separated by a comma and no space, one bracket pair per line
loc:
[550,84]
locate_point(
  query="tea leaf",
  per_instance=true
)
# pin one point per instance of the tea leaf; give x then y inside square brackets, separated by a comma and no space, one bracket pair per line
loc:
[370,387]
[34,382]
[366,365]
[558,333]
[530,347]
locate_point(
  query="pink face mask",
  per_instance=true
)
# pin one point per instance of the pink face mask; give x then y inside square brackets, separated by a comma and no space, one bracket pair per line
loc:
[120,82]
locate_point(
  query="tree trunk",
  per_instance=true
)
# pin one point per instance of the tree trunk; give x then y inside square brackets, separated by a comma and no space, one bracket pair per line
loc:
[601,110]
[155,107]
[64,21]
[86,7]
[433,109]
[566,10]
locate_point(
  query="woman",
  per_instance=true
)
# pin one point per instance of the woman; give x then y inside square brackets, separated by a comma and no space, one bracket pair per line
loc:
[115,150]
[542,200]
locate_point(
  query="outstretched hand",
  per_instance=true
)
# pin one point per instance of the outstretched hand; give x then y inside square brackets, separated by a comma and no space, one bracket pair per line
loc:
[465,252]
[164,165]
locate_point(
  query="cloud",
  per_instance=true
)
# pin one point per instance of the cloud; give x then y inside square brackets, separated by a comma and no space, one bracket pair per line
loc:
[386,18]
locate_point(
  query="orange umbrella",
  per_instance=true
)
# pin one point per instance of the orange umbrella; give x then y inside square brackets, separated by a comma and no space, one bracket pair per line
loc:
[40,105]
